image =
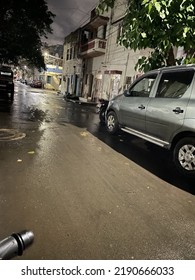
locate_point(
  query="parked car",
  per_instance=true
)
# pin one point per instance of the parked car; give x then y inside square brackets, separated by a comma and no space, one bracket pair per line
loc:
[6,83]
[36,84]
[23,81]
[160,107]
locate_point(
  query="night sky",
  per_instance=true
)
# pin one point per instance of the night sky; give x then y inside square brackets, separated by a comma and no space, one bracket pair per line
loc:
[70,14]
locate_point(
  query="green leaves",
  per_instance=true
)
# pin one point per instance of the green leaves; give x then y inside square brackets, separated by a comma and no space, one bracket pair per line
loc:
[104,5]
[22,24]
[154,61]
[157,6]
[159,25]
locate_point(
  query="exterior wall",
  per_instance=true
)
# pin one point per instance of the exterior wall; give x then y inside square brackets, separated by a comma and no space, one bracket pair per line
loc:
[119,10]
[92,78]
[72,66]
[119,62]
[93,57]
[110,74]
[52,81]
[106,75]
[52,77]
[92,72]
[119,59]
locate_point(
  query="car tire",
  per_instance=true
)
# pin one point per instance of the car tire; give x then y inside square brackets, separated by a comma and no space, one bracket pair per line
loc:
[112,124]
[184,156]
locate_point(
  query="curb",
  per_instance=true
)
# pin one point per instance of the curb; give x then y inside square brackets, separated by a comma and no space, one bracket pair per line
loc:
[81,102]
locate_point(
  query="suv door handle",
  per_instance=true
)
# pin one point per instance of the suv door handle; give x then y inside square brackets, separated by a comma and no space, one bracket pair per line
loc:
[142,107]
[178,110]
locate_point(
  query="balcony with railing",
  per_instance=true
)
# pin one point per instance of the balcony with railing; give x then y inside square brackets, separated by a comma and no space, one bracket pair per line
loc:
[93,48]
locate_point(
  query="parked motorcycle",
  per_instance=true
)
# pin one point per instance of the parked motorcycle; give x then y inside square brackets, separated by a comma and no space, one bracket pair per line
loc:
[101,109]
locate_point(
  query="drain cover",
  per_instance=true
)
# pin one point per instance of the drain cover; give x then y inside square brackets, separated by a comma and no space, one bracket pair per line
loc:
[10,134]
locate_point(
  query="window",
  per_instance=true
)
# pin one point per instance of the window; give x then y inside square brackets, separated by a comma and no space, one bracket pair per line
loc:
[174,84]
[67,55]
[48,79]
[128,80]
[70,57]
[104,34]
[86,79]
[101,32]
[85,37]
[143,87]
[74,51]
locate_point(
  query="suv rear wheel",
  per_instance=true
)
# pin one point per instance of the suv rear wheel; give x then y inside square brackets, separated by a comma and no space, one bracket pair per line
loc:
[112,123]
[184,156]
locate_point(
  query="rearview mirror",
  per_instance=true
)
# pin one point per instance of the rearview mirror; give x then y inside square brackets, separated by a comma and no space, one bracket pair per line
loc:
[126,93]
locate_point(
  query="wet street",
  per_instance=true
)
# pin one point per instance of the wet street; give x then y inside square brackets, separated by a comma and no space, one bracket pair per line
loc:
[86,194]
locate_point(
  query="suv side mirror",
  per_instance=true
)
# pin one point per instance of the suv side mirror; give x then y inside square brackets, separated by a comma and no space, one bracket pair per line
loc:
[126,93]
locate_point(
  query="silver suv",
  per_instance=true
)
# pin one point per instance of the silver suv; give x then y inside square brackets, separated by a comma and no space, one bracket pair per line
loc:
[160,107]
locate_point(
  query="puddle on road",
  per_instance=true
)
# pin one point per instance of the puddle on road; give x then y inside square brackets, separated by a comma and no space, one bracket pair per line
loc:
[39,115]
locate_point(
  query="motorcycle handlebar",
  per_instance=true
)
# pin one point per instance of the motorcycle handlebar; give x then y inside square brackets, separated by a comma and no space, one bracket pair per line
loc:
[15,244]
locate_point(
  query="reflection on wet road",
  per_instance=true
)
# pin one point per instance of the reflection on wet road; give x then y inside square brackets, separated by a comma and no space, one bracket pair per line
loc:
[86,194]
[42,107]
[149,156]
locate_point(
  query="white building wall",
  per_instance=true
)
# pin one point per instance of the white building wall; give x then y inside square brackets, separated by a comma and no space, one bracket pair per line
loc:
[109,74]
[71,68]
[119,61]
[93,77]
[64,72]
[119,10]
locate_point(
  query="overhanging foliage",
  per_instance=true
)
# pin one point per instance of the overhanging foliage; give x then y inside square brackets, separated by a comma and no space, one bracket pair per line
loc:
[22,24]
[160,25]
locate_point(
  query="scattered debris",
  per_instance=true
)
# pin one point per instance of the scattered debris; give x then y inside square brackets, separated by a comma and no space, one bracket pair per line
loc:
[84,134]
[31,152]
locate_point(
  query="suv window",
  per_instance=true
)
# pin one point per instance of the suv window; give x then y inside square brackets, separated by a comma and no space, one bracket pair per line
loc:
[143,87]
[174,84]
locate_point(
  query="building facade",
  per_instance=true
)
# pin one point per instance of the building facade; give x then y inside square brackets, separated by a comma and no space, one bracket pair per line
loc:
[72,64]
[95,66]
[84,52]
[92,51]
[50,77]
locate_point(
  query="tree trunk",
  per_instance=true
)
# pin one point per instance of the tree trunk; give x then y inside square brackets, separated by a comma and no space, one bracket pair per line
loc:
[170,57]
